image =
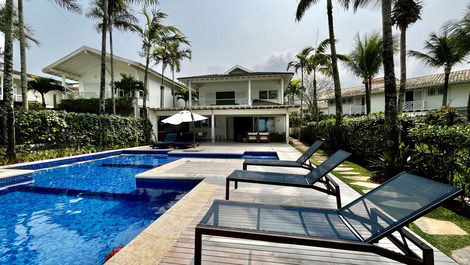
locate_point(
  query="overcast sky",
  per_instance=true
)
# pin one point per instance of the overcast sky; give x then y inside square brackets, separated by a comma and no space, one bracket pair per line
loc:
[258,34]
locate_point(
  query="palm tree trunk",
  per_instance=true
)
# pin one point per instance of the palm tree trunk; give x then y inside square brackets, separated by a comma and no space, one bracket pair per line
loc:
[401,94]
[104,31]
[468,107]
[369,101]
[302,95]
[162,88]
[113,97]
[173,87]
[315,103]
[334,63]
[43,98]
[7,82]
[146,77]
[391,129]
[22,39]
[446,86]
[366,87]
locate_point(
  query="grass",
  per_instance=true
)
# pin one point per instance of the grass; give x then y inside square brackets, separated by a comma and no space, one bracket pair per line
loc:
[445,243]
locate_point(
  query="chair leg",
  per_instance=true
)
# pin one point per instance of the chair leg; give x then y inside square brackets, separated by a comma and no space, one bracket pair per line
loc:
[227,189]
[197,248]
[338,198]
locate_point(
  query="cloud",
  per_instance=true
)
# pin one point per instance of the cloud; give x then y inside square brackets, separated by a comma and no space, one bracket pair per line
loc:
[216,69]
[277,61]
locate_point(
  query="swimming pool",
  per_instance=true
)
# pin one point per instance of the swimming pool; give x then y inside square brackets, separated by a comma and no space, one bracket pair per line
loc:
[78,210]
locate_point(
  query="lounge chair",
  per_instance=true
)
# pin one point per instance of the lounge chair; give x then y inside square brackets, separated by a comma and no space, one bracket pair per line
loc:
[316,175]
[170,139]
[303,161]
[381,213]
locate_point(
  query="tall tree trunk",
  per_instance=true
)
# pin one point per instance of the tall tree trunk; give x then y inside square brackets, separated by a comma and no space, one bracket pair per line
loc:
[7,82]
[446,85]
[173,87]
[391,129]
[334,63]
[113,96]
[146,77]
[162,88]
[302,94]
[43,98]
[468,107]
[22,39]
[369,101]
[315,100]
[104,31]
[366,87]
[401,95]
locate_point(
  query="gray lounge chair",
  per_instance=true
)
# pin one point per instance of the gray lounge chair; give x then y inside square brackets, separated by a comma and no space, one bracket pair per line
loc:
[382,213]
[301,162]
[169,141]
[318,174]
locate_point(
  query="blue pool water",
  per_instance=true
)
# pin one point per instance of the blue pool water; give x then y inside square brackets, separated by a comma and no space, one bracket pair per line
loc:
[78,210]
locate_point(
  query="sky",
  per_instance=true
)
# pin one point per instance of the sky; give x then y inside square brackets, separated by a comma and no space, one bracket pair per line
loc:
[261,35]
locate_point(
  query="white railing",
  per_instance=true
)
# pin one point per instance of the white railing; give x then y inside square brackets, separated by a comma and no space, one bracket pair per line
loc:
[221,102]
[412,106]
[16,97]
[357,110]
[89,94]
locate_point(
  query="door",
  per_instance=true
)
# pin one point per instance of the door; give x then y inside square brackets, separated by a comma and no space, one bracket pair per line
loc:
[242,125]
[225,98]
[409,96]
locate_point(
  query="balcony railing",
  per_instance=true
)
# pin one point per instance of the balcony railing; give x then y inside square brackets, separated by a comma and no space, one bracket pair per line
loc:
[221,102]
[88,94]
[358,110]
[412,106]
[16,97]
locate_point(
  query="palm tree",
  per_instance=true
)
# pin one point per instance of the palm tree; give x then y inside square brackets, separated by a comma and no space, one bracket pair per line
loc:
[365,61]
[120,17]
[176,56]
[301,63]
[23,85]
[292,90]
[152,33]
[43,85]
[301,8]
[404,13]
[128,85]
[442,50]
[71,5]
[461,30]
[183,94]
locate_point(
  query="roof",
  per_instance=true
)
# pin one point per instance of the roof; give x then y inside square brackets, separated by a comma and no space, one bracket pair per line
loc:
[236,72]
[411,83]
[52,68]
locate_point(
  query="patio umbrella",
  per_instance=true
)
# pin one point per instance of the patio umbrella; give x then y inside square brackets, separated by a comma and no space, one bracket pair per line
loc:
[185,116]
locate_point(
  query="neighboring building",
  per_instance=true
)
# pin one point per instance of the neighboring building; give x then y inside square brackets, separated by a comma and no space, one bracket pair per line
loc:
[422,93]
[83,66]
[238,102]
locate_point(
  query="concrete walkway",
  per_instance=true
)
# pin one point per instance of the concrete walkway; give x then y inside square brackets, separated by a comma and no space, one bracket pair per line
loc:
[170,239]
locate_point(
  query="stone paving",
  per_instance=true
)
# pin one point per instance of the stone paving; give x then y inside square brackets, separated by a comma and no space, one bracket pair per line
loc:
[170,239]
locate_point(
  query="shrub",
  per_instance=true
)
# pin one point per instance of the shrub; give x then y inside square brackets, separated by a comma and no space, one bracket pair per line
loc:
[54,129]
[124,106]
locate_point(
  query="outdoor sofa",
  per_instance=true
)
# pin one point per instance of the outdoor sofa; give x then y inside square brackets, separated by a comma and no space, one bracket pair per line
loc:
[318,174]
[303,161]
[381,213]
[169,141]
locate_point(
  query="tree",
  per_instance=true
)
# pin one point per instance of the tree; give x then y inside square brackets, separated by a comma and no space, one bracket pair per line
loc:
[404,13]
[442,50]
[152,33]
[183,94]
[9,112]
[315,86]
[301,9]
[461,30]
[128,85]
[365,61]
[292,90]
[301,63]
[177,54]
[44,85]
[120,17]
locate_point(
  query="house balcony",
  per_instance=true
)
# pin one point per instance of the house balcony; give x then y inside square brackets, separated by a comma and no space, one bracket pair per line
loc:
[221,102]
[415,106]
[16,97]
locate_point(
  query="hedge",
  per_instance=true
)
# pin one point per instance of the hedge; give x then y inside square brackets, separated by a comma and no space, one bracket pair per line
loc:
[436,145]
[124,106]
[55,129]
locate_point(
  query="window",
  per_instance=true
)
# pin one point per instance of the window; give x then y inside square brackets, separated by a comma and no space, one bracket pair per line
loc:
[271,94]
[347,100]
[264,124]
[435,91]
[225,98]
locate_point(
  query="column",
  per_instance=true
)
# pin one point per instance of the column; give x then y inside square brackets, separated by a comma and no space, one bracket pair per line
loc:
[282,91]
[64,85]
[249,92]
[287,125]
[156,129]
[136,96]
[212,127]
[190,95]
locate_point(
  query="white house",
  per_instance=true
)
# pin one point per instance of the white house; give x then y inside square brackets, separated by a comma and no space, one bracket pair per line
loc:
[83,66]
[238,102]
[422,93]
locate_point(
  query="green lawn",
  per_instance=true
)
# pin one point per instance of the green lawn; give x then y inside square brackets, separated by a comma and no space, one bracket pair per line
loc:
[445,243]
